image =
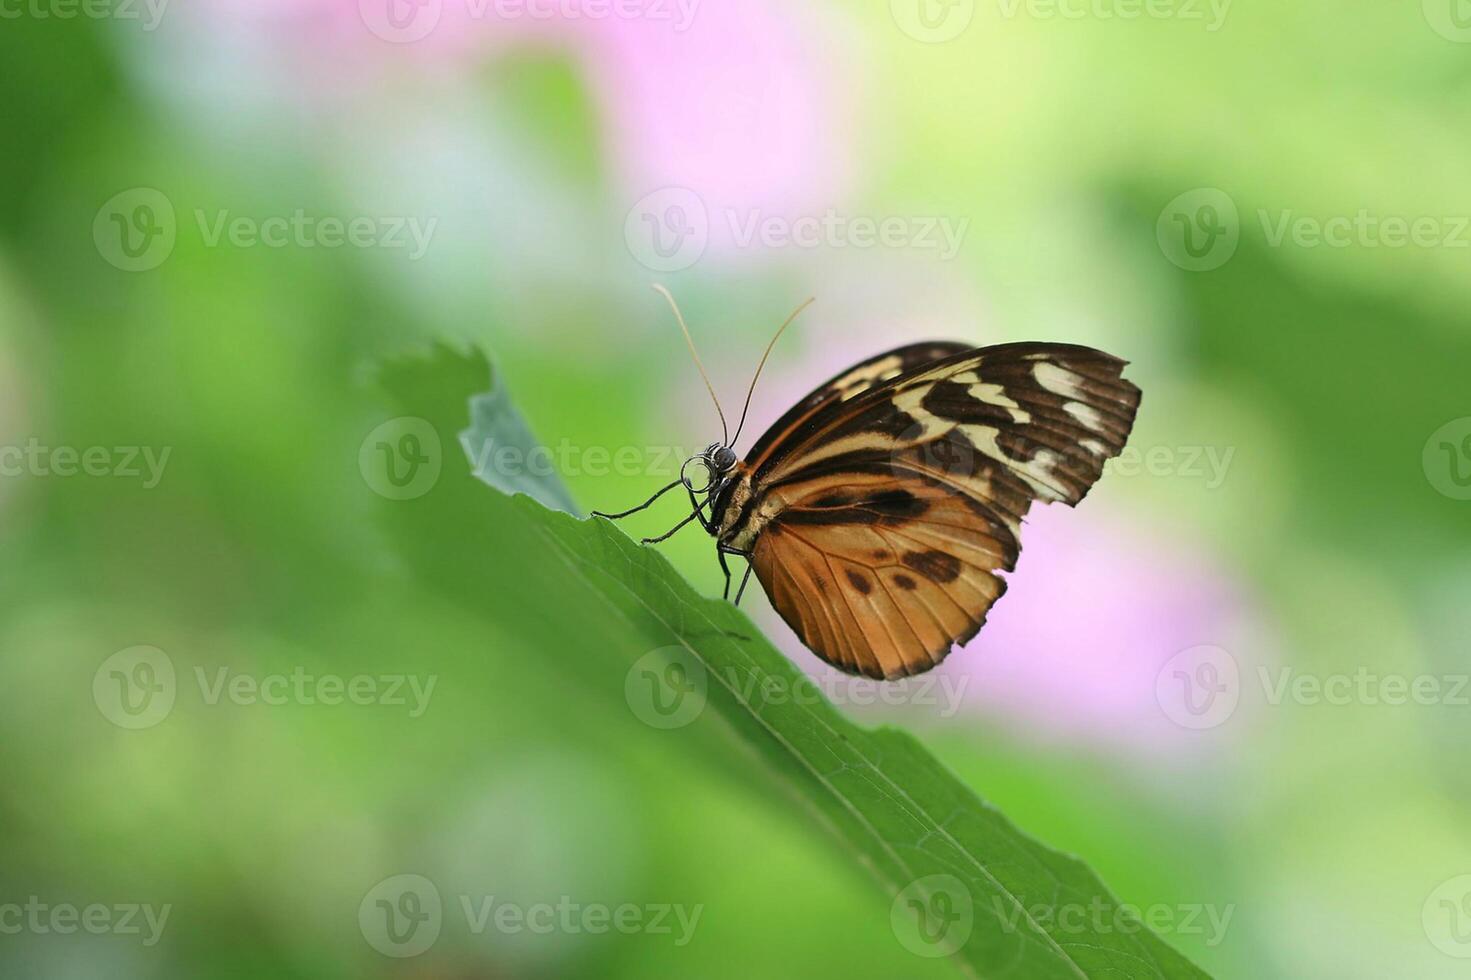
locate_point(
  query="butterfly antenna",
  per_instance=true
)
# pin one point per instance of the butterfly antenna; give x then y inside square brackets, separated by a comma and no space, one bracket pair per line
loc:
[724,428]
[749,391]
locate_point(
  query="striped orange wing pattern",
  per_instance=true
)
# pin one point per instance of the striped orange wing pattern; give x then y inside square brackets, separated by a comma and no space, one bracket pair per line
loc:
[881,512]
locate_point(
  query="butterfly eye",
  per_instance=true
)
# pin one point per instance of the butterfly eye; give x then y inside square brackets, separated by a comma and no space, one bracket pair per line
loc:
[724,458]
[709,476]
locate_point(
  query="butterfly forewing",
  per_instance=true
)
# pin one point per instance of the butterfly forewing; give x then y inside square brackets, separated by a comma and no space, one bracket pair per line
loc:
[882,507]
[842,388]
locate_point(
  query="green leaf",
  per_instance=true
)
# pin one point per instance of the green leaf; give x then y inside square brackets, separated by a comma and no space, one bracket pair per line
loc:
[504,453]
[962,880]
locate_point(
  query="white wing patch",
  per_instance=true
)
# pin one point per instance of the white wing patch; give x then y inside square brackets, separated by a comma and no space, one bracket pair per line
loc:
[993,394]
[1086,414]
[1037,471]
[1059,380]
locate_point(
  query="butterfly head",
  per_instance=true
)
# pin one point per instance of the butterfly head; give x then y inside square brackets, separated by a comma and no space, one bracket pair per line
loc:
[722,459]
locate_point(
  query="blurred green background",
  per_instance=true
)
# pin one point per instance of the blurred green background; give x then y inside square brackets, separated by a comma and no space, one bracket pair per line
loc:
[208,219]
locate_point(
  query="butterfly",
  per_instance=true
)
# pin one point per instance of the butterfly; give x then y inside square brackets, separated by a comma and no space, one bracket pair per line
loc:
[880,510]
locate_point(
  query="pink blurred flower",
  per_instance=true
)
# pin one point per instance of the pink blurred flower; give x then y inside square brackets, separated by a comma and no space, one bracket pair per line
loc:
[1098,606]
[721,98]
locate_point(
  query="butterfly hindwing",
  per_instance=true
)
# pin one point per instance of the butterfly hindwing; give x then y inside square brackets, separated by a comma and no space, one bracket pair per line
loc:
[890,513]
[882,584]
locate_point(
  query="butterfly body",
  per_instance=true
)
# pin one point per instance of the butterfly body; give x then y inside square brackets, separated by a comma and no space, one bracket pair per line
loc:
[880,510]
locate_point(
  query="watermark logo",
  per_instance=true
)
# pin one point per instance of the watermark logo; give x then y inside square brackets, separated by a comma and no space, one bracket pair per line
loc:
[1199,230]
[136,229]
[953,456]
[401,21]
[668,229]
[401,916]
[933,21]
[666,688]
[933,916]
[401,458]
[1446,459]
[135,688]
[1199,687]
[1451,19]
[1447,917]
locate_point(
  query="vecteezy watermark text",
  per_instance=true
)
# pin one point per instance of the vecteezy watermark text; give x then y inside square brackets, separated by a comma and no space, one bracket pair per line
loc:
[1364,229]
[137,688]
[149,12]
[1202,686]
[406,21]
[1211,12]
[302,229]
[403,916]
[300,687]
[668,687]
[1200,229]
[121,462]
[137,229]
[1206,463]
[1364,686]
[1099,917]
[670,229]
[938,21]
[570,460]
[42,918]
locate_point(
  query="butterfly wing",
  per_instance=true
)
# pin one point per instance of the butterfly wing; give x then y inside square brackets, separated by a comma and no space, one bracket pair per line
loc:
[821,403]
[893,511]
[883,586]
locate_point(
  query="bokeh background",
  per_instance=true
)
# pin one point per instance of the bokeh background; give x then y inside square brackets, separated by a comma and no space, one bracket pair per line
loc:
[1198,681]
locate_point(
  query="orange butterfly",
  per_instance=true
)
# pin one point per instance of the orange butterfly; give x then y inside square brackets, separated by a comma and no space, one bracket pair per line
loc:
[879,510]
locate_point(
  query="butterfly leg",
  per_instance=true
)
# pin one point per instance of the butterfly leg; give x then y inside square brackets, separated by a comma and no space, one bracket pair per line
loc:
[744,579]
[698,512]
[642,506]
[705,522]
[670,533]
[723,550]
[720,556]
